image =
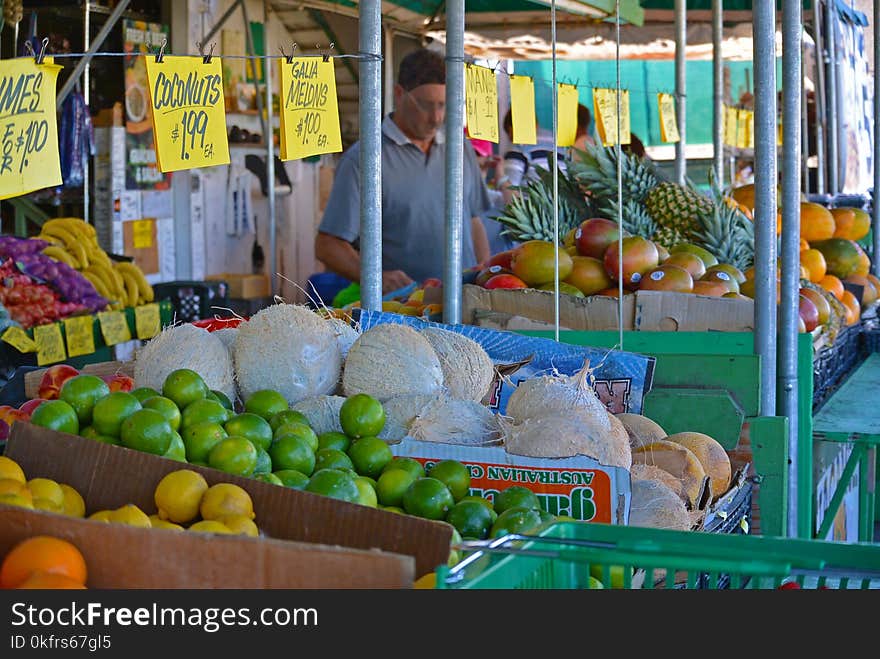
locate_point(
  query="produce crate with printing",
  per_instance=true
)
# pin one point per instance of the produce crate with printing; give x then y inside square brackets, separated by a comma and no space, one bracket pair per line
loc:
[194,300]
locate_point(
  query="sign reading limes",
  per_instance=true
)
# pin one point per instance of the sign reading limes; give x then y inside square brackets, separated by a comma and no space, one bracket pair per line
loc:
[146,320]
[29,158]
[605,106]
[114,327]
[50,344]
[80,337]
[189,119]
[566,114]
[668,119]
[18,339]
[522,110]
[481,103]
[310,113]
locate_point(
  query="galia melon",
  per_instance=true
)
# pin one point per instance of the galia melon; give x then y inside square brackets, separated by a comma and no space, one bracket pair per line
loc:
[679,461]
[643,472]
[656,506]
[641,429]
[712,457]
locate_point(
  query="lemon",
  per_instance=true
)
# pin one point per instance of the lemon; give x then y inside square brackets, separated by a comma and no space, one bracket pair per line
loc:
[159,523]
[9,469]
[210,526]
[48,505]
[10,499]
[426,581]
[179,494]
[9,486]
[240,525]
[73,502]
[101,516]
[130,515]
[44,488]
[226,499]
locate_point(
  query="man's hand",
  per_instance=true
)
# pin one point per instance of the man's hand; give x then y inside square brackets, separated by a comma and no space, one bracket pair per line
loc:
[393,280]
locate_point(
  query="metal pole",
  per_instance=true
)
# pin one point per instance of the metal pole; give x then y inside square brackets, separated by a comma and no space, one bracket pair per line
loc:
[805,126]
[718,95]
[764,32]
[833,142]
[554,98]
[249,42]
[87,12]
[370,108]
[681,89]
[221,21]
[819,100]
[269,136]
[792,83]
[875,257]
[454,159]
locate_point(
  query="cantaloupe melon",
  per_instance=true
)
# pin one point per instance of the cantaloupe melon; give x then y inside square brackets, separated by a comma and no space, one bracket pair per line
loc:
[677,460]
[656,506]
[643,472]
[712,456]
[641,429]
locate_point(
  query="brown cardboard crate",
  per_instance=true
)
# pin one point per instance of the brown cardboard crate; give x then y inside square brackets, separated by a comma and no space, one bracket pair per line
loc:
[244,286]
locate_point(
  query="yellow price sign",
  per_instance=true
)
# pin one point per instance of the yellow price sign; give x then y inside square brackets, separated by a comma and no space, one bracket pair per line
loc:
[668,119]
[742,129]
[146,320]
[730,125]
[188,108]
[481,103]
[566,114]
[29,158]
[50,344]
[750,127]
[80,336]
[142,234]
[114,327]
[310,114]
[18,339]
[605,106]
[522,110]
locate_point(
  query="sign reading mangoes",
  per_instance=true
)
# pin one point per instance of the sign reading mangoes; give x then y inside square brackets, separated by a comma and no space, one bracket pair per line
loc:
[481,103]
[29,157]
[668,119]
[522,110]
[310,114]
[606,112]
[189,118]
[566,114]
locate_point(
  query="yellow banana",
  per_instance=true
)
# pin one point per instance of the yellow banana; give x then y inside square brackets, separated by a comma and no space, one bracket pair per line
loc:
[143,285]
[52,240]
[97,255]
[59,254]
[71,242]
[97,283]
[106,279]
[131,288]
[114,274]
[75,225]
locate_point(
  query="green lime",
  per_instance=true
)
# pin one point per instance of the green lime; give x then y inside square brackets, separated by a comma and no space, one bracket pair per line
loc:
[594,583]
[81,392]
[201,438]
[428,498]
[367,492]
[144,393]
[264,462]
[56,415]
[370,455]
[291,452]
[392,484]
[454,554]
[234,455]
[362,415]
[516,496]
[184,386]
[268,478]
[109,412]
[331,458]
[300,430]
[165,407]
[334,483]
[89,432]
[546,517]
[609,574]
[147,431]
[515,520]
[393,509]
[410,465]
[482,502]
[265,403]
[251,426]
[176,450]
[222,398]
[337,440]
[471,519]
[455,475]
[287,416]
[292,478]
[202,411]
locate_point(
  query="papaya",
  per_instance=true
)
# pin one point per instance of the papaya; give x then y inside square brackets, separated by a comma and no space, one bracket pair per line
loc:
[842,256]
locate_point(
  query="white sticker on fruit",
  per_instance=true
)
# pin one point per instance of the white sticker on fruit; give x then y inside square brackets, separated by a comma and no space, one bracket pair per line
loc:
[723,276]
[494,268]
[577,234]
[658,275]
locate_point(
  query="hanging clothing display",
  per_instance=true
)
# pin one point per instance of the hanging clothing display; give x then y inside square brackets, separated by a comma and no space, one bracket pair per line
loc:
[238,200]
[76,139]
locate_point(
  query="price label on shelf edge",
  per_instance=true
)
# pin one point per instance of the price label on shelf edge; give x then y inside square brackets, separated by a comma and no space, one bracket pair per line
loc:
[50,344]
[80,336]
[481,103]
[310,112]
[114,327]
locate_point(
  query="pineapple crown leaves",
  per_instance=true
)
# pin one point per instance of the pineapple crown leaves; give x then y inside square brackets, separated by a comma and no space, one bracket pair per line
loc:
[595,170]
[726,231]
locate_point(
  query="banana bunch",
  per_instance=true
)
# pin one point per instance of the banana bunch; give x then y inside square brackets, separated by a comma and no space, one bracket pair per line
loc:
[75,242]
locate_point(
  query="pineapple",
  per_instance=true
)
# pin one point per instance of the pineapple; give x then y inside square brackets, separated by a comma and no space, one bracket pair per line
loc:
[676,207]
[668,237]
[727,233]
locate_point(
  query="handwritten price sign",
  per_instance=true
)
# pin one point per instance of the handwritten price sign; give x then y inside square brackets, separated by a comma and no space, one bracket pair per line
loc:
[668,120]
[522,110]
[189,118]
[481,103]
[566,111]
[605,106]
[29,157]
[310,115]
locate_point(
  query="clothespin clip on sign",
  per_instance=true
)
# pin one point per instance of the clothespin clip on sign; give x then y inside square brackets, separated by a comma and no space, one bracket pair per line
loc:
[161,54]
[288,58]
[37,58]
[326,54]
[206,58]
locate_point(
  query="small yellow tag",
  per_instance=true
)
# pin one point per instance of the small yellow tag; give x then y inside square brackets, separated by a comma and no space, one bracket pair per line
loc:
[481,103]
[522,110]
[567,111]
[310,112]
[146,320]
[730,121]
[80,336]
[668,120]
[50,344]
[142,234]
[18,339]
[114,327]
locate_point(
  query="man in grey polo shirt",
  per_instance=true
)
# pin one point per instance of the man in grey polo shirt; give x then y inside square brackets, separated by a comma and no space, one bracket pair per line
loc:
[413,188]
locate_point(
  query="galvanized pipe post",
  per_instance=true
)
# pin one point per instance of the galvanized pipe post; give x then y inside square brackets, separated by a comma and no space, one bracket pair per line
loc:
[269,136]
[764,32]
[681,89]
[875,261]
[718,90]
[787,389]
[831,79]
[454,160]
[370,110]
[819,100]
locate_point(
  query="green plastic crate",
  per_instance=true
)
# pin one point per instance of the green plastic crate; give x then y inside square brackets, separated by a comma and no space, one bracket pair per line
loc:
[562,555]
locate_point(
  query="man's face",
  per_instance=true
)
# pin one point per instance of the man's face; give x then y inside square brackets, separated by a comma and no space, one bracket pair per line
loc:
[421,110]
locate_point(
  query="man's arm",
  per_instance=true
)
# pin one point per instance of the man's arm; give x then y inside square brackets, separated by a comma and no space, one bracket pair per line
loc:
[339,256]
[480,240]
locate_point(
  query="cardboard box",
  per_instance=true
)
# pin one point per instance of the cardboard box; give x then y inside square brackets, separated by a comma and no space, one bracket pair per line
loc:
[648,311]
[244,286]
[110,476]
[120,556]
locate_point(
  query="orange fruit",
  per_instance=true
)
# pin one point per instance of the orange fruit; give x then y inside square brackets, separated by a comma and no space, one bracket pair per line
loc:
[817,222]
[851,223]
[50,581]
[814,261]
[869,292]
[853,309]
[745,195]
[711,288]
[863,267]
[804,245]
[874,281]
[832,284]
[689,262]
[42,553]
[821,303]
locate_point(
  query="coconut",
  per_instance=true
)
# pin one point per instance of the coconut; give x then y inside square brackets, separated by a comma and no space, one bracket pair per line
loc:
[451,421]
[468,371]
[643,472]
[677,460]
[400,412]
[641,429]
[185,346]
[656,506]
[712,456]
[322,412]
[287,348]
[227,336]
[390,360]
[554,436]
[560,394]
[346,335]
